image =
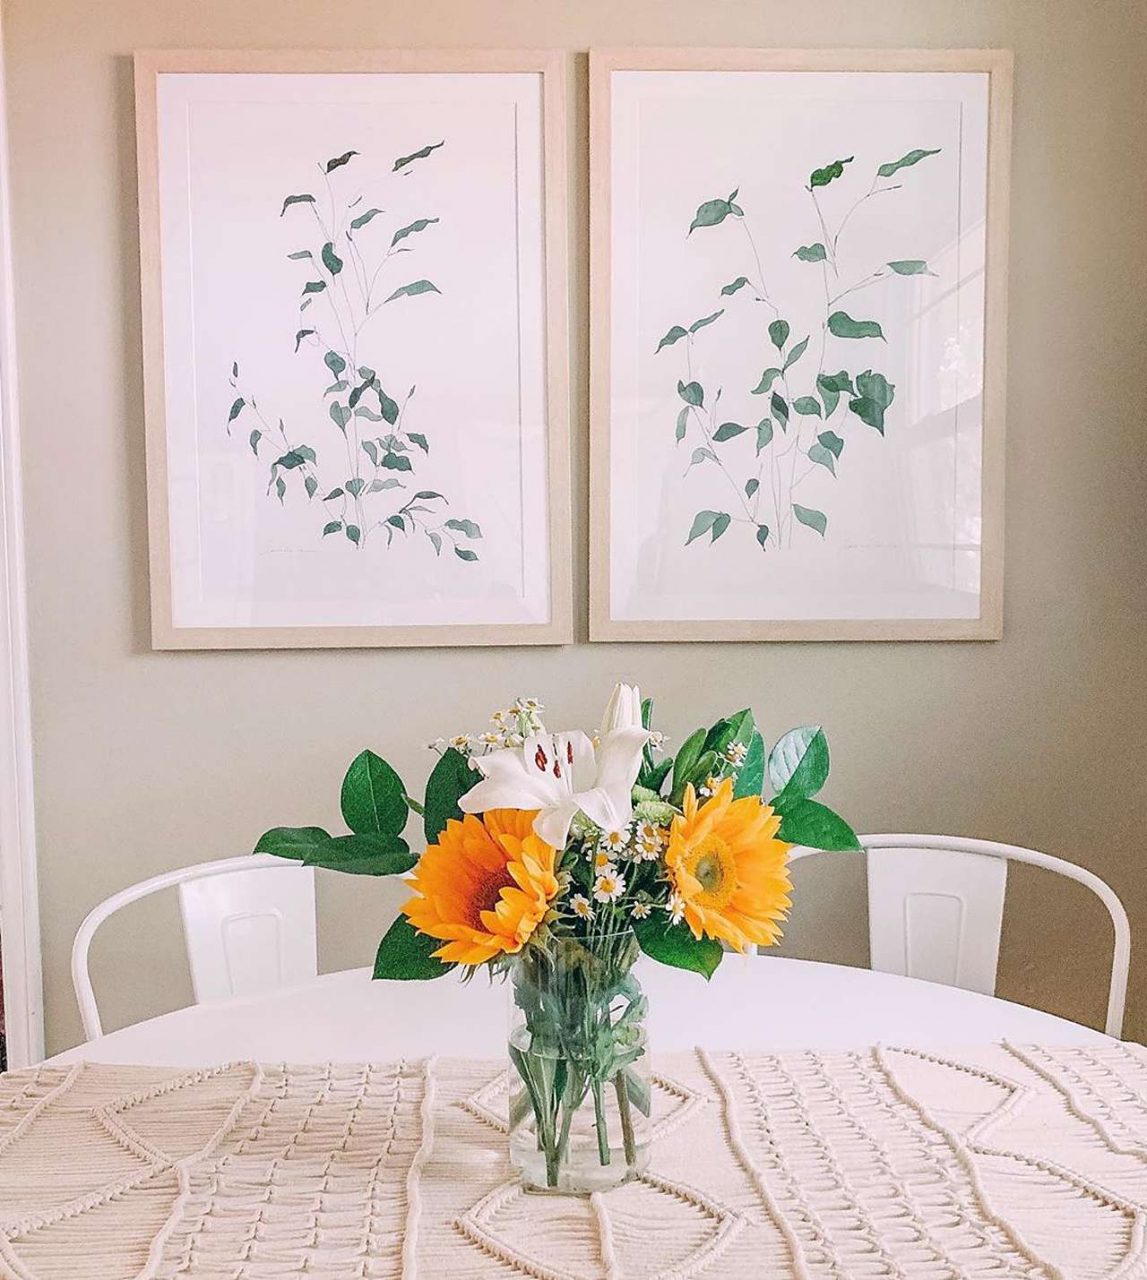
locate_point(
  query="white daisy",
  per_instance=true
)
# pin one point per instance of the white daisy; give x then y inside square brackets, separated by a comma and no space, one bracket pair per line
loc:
[609,886]
[579,905]
[461,742]
[676,908]
[641,910]
[490,739]
[615,842]
[603,864]
[735,753]
[709,786]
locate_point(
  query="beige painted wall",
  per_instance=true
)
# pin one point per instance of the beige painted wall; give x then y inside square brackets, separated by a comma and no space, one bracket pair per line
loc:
[146,761]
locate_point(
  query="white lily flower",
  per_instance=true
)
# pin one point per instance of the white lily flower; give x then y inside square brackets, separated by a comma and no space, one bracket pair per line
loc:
[623,710]
[541,775]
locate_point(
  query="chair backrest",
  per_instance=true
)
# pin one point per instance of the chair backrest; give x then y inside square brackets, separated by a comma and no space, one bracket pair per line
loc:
[248,926]
[936,906]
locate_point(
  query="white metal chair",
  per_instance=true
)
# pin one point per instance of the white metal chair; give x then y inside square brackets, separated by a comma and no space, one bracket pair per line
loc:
[936,905]
[248,926]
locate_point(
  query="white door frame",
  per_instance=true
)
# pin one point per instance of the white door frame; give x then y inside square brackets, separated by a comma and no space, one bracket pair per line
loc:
[19,905]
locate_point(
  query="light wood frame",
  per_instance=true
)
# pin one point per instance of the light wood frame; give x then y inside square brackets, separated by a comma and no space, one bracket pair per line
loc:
[997,64]
[550,65]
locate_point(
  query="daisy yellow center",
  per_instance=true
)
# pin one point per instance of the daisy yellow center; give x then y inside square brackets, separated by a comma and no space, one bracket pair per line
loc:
[714,866]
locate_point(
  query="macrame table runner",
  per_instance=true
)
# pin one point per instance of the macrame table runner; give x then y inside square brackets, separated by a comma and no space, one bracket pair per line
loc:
[884,1162]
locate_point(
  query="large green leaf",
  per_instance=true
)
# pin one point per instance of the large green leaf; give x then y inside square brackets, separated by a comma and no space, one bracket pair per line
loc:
[373,854]
[809,823]
[373,797]
[405,955]
[798,764]
[905,161]
[674,944]
[751,778]
[738,727]
[449,781]
[331,260]
[809,405]
[830,386]
[728,431]
[686,759]
[822,177]
[295,843]
[820,455]
[703,522]
[842,325]
[779,333]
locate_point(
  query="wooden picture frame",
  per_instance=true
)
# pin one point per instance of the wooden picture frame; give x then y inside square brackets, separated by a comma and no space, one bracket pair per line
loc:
[623,606]
[541,611]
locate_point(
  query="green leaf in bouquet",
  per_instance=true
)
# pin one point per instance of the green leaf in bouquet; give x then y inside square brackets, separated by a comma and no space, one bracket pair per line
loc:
[449,781]
[798,764]
[675,945]
[730,729]
[638,1091]
[751,778]
[406,955]
[367,854]
[655,778]
[295,843]
[685,762]
[808,822]
[373,797]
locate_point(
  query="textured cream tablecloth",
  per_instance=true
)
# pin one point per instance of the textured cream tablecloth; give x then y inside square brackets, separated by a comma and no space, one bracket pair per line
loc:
[998,1162]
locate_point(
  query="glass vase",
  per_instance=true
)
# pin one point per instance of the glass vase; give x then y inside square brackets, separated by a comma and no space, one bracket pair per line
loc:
[580,1090]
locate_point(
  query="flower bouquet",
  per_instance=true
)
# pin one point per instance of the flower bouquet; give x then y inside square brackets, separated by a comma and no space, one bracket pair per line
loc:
[555,860]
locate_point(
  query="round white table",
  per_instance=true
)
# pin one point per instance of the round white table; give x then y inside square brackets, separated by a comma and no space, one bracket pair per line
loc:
[755,1003]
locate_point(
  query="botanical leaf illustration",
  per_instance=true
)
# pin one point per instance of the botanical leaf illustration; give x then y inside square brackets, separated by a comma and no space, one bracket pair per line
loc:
[353,285]
[842,325]
[713,212]
[808,403]
[911,158]
[358,223]
[822,177]
[728,431]
[339,161]
[403,161]
[814,519]
[674,335]
[875,394]
[419,224]
[290,200]
[766,381]
[700,324]
[413,289]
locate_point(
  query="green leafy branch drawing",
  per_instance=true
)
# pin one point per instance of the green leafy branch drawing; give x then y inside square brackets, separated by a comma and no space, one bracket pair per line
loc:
[366,485]
[808,412]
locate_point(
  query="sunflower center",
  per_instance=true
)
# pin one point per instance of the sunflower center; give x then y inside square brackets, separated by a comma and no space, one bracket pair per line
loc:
[485,897]
[713,864]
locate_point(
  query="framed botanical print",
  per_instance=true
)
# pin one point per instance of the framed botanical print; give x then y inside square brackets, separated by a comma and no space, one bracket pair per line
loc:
[354,304]
[798,306]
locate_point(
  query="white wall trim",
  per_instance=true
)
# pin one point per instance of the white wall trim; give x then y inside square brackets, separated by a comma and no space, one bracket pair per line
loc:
[19,904]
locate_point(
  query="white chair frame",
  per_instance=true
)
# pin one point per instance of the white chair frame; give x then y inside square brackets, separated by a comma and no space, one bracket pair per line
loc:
[285,889]
[986,899]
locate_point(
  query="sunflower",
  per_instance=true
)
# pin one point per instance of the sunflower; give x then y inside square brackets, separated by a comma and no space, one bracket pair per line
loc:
[728,869]
[484,887]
